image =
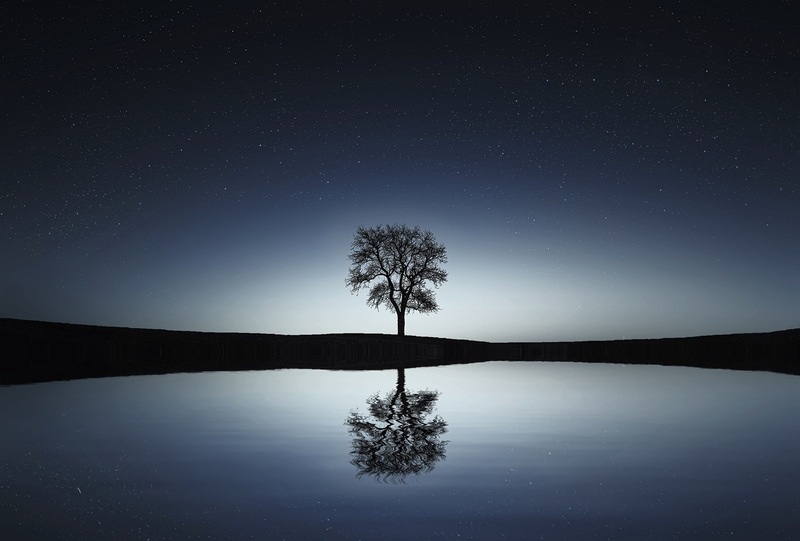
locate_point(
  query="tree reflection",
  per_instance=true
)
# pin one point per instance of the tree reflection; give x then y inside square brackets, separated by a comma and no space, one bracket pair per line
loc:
[397,439]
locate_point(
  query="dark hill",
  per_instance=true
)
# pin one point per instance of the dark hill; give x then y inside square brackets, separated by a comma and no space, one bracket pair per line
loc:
[39,351]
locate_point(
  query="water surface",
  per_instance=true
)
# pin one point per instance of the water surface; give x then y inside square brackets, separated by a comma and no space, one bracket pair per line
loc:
[482,451]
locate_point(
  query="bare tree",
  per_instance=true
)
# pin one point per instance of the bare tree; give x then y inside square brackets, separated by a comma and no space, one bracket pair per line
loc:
[402,261]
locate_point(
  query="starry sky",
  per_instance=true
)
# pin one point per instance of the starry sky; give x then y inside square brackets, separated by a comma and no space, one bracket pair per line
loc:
[596,170]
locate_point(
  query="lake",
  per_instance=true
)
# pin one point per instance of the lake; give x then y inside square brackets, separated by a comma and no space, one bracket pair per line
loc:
[491,450]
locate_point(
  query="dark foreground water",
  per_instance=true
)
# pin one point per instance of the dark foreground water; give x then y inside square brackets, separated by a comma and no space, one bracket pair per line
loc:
[485,451]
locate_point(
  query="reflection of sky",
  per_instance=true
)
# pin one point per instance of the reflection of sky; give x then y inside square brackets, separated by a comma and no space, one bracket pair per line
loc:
[528,442]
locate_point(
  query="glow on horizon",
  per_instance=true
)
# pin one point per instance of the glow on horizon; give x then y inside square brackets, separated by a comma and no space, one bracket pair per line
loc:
[512,290]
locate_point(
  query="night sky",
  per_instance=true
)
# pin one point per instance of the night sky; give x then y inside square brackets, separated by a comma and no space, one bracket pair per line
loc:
[595,170]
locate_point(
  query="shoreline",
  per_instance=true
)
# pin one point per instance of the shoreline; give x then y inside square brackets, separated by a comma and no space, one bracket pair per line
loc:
[36,351]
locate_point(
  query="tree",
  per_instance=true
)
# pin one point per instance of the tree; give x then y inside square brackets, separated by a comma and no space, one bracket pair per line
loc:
[402,261]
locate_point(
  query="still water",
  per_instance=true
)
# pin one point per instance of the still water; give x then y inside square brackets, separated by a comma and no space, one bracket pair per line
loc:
[483,451]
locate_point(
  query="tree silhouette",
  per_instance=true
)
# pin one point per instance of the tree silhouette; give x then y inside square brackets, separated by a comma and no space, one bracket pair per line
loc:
[396,439]
[403,260]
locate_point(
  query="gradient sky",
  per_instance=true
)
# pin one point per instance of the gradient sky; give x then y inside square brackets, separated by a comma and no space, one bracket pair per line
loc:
[595,170]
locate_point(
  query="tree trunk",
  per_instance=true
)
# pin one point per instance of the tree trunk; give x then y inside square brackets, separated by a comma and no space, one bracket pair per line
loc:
[401,323]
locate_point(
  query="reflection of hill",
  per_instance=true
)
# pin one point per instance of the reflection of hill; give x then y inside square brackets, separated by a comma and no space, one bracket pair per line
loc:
[39,351]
